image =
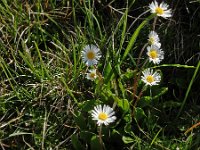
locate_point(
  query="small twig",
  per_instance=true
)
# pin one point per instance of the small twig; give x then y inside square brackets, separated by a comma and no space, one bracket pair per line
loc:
[136,20]
[120,12]
[27,144]
[12,120]
[139,96]
[3,145]
[68,126]
[44,129]
[191,128]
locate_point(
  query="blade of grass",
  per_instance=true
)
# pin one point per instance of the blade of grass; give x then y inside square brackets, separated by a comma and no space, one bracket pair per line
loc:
[175,65]
[189,89]
[153,141]
[123,21]
[9,76]
[43,67]
[134,37]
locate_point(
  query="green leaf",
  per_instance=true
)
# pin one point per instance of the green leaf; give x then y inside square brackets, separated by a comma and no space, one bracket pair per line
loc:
[128,118]
[115,132]
[171,104]
[128,128]
[95,144]
[160,92]
[108,73]
[86,135]
[87,105]
[144,101]
[139,113]
[76,143]
[122,88]
[80,121]
[129,74]
[127,139]
[109,95]
[123,104]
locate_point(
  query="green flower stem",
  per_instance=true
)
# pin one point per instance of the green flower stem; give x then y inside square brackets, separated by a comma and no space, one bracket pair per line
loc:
[136,79]
[154,23]
[140,55]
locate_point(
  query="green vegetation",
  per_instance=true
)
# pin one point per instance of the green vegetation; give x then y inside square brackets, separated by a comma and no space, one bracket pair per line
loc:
[46,99]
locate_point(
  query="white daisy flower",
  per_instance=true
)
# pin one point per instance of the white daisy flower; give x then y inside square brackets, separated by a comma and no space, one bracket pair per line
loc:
[153,39]
[91,55]
[160,10]
[155,54]
[150,78]
[103,115]
[92,75]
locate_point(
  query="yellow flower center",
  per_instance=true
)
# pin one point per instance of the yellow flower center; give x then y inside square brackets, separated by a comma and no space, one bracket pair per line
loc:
[92,75]
[150,78]
[159,11]
[153,54]
[151,40]
[90,55]
[103,116]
